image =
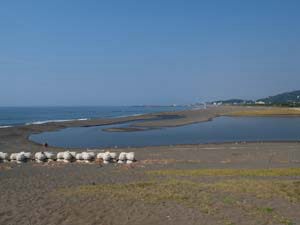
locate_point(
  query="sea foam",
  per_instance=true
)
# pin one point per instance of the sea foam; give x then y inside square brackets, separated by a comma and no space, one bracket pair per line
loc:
[54,121]
[2,127]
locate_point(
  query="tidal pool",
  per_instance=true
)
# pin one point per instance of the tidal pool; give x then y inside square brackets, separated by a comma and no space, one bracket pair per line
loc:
[222,129]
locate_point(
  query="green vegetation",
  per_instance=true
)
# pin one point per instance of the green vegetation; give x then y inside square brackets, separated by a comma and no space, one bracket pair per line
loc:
[230,172]
[268,112]
[214,197]
[185,191]
[287,98]
[264,189]
[228,200]
[265,209]
[235,101]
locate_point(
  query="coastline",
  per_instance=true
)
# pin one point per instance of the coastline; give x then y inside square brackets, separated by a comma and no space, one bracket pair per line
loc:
[176,184]
[14,138]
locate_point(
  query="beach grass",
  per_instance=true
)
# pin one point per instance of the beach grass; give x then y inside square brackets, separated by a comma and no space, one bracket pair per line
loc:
[246,192]
[267,112]
[212,199]
[229,172]
[186,191]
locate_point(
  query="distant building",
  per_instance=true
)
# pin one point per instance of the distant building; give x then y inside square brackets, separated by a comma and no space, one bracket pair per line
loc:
[217,103]
[260,103]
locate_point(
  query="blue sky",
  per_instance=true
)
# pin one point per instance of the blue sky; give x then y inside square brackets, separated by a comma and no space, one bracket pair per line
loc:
[146,52]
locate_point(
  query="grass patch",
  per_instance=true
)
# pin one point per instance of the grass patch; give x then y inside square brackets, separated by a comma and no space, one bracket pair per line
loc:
[264,189]
[182,192]
[193,193]
[289,190]
[228,200]
[227,222]
[210,198]
[267,112]
[265,209]
[287,222]
[229,172]
[228,193]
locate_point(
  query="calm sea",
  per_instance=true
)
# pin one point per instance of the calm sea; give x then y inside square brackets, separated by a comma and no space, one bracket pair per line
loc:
[13,116]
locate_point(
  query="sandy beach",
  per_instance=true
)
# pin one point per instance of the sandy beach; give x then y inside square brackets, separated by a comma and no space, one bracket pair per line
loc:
[230,183]
[149,113]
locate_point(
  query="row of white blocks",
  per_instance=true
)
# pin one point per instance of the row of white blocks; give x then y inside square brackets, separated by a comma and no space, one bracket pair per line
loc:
[67,156]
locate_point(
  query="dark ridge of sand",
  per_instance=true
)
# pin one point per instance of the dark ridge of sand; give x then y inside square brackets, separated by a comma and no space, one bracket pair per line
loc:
[75,194]
[127,129]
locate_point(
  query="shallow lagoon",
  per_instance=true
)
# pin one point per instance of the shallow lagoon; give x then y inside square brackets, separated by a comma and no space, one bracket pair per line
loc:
[222,129]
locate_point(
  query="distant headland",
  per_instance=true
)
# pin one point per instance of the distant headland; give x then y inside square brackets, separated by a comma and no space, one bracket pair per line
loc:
[288,99]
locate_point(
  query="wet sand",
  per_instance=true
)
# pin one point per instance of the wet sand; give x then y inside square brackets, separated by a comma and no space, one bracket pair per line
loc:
[76,193]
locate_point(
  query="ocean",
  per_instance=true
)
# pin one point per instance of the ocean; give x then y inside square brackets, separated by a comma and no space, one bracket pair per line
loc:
[15,116]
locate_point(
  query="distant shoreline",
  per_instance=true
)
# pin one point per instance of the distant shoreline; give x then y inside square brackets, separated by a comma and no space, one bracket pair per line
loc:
[14,138]
[20,116]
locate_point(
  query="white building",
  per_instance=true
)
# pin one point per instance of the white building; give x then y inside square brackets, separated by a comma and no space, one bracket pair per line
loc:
[260,103]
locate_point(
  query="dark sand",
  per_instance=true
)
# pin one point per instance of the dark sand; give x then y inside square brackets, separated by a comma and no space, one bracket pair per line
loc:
[55,193]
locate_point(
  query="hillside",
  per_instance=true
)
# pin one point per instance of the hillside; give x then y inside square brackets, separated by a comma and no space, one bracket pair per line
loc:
[284,98]
[290,99]
[234,101]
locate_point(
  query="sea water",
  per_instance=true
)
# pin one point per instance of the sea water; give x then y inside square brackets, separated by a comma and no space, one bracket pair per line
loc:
[14,116]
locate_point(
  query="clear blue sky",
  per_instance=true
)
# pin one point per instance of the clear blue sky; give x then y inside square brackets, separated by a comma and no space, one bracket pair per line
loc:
[110,52]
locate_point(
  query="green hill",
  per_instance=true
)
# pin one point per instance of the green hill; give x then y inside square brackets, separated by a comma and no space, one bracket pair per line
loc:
[235,101]
[284,98]
[290,99]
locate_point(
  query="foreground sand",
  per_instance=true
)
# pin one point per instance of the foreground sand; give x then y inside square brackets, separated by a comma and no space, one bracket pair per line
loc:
[234,183]
[164,187]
